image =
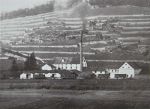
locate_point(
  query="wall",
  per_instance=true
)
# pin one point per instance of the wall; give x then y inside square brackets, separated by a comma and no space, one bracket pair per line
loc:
[56,75]
[98,73]
[127,69]
[24,76]
[67,66]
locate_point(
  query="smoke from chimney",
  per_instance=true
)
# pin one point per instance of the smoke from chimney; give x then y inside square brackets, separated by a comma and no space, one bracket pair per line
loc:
[60,4]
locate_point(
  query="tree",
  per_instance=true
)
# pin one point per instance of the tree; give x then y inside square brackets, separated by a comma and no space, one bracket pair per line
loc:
[44,8]
[15,69]
[99,35]
[30,63]
[103,3]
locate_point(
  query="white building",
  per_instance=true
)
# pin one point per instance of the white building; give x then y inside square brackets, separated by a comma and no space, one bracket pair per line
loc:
[46,74]
[68,63]
[125,70]
[26,76]
[47,67]
[53,75]
[114,70]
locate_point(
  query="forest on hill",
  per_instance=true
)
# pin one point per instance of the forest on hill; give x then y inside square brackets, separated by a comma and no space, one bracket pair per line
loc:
[44,8]
[103,3]
[49,7]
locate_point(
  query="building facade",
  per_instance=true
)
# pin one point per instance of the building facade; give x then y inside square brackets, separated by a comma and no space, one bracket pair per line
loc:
[68,63]
[114,70]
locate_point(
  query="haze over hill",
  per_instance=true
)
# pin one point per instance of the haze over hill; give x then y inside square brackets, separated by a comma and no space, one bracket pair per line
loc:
[29,10]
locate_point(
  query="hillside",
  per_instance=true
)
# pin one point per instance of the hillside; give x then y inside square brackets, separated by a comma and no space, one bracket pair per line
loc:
[104,7]
[117,37]
[112,10]
[45,8]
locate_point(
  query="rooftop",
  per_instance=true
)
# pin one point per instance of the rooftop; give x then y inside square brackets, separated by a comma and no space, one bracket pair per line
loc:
[99,65]
[66,60]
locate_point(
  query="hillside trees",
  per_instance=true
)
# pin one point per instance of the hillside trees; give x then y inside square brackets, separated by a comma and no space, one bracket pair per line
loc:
[30,63]
[49,7]
[103,3]
[15,69]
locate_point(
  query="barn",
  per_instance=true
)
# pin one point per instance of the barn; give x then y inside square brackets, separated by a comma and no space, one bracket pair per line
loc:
[113,70]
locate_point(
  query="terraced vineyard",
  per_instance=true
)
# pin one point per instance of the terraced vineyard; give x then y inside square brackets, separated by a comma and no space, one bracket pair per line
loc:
[54,34]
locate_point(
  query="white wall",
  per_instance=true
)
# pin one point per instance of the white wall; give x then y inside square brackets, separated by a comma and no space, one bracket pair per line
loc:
[127,69]
[46,67]
[56,75]
[97,73]
[24,76]
[112,72]
[124,69]
[68,66]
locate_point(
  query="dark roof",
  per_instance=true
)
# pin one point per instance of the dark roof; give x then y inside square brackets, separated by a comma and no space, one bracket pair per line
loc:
[134,65]
[50,71]
[42,71]
[102,64]
[63,73]
[66,60]
[99,65]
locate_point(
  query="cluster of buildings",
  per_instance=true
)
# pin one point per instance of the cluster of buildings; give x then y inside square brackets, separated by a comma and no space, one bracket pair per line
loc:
[69,68]
[105,34]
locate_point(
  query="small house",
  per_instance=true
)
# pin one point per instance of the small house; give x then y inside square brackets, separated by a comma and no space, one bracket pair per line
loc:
[52,74]
[26,76]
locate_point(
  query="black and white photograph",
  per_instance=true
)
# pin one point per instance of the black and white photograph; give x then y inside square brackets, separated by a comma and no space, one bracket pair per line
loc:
[74,54]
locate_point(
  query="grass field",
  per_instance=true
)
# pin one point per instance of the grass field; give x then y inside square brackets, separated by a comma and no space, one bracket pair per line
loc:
[68,99]
[133,84]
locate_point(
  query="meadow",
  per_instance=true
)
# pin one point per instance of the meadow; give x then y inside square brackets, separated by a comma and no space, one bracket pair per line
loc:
[93,84]
[69,99]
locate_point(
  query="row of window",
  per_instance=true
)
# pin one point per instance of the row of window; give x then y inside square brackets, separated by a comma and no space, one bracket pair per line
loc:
[70,67]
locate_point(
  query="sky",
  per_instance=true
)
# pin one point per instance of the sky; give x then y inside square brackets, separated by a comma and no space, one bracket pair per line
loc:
[10,5]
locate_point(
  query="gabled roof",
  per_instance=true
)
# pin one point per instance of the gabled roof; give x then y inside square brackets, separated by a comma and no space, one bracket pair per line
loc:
[99,65]
[134,65]
[66,60]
